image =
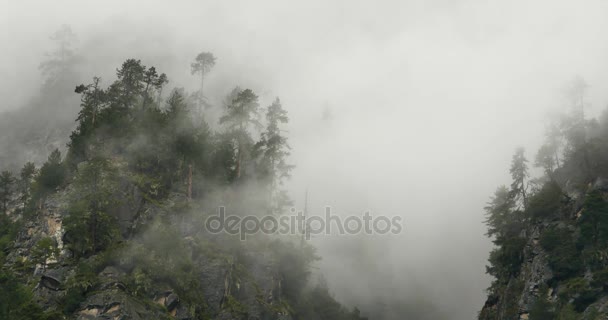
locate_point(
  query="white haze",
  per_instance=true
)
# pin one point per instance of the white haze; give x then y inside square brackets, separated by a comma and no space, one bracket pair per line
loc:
[428,100]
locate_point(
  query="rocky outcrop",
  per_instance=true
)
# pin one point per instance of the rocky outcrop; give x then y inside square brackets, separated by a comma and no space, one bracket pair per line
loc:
[116,304]
[235,286]
[534,272]
[516,299]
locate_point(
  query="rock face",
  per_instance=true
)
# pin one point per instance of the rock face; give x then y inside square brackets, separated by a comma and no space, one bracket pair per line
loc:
[234,286]
[47,224]
[534,272]
[516,299]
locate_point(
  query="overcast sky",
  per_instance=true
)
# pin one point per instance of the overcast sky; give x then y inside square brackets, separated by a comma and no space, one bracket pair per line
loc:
[428,99]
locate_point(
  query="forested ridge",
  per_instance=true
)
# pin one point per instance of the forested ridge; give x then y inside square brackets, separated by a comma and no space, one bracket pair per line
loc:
[551,231]
[113,226]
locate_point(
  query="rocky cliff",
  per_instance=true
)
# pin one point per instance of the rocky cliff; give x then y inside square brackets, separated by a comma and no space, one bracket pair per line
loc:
[559,270]
[233,285]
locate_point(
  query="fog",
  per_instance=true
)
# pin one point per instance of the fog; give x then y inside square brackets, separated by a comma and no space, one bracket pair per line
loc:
[409,108]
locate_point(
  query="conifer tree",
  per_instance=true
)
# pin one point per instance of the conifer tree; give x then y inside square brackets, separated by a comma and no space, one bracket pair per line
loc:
[241,115]
[499,213]
[130,82]
[519,173]
[202,64]
[152,81]
[26,179]
[90,225]
[189,139]
[58,62]
[273,150]
[52,172]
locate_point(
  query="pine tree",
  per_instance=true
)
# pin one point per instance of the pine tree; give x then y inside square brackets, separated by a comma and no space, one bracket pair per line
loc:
[519,173]
[152,81]
[90,225]
[548,155]
[594,220]
[189,140]
[545,158]
[574,126]
[273,150]
[242,114]
[130,82]
[26,180]
[499,212]
[202,64]
[52,173]
[91,100]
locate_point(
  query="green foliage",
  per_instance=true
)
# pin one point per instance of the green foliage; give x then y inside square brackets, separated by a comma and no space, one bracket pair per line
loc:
[592,314]
[505,261]
[317,303]
[242,111]
[26,175]
[594,221]
[90,226]
[84,280]
[124,137]
[92,99]
[235,307]
[241,114]
[294,266]
[545,203]
[564,258]
[502,220]
[505,225]
[519,173]
[573,156]
[567,312]
[16,300]
[52,174]
[546,158]
[162,257]
[153,81]
[579,291]
[542,309]
[223,158]
[600,280]
[202,64]
[272,151]
[7,182]
[44,249]
[8,231]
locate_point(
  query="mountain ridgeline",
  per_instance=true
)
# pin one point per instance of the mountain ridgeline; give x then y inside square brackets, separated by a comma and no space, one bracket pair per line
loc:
[551,233]
[114,226]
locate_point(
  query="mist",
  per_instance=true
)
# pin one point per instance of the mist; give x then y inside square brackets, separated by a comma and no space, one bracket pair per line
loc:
[400,108]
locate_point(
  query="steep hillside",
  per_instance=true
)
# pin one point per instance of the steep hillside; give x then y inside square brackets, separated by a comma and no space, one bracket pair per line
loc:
[551,233]
[116,228]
